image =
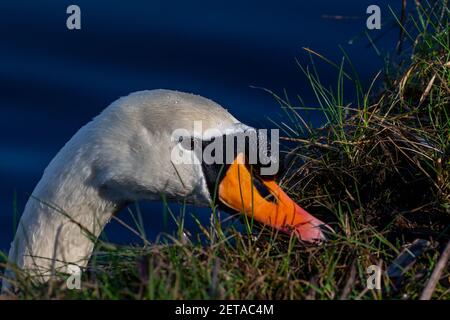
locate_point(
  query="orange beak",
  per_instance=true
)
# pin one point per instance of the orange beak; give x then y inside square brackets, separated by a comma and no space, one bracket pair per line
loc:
[237,190]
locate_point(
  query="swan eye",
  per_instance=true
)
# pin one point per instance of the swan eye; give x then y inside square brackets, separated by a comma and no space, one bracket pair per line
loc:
[188,143]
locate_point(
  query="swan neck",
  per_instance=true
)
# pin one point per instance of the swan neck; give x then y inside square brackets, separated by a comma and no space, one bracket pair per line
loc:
[59,226]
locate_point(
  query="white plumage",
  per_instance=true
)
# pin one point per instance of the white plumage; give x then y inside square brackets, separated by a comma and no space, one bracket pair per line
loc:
[122,155]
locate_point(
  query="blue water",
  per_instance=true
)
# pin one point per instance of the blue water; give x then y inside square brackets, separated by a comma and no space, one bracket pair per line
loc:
[52,80]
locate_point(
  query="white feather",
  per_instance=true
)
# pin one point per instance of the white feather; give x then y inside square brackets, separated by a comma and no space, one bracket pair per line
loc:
[122,155]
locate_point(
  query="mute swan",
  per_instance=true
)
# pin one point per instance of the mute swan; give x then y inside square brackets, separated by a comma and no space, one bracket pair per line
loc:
[124,155]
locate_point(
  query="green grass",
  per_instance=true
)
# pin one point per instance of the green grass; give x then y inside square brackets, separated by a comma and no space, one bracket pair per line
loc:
[377,171]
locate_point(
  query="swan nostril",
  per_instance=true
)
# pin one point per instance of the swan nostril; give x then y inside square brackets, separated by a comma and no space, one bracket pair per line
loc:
[188,143]
[264,191]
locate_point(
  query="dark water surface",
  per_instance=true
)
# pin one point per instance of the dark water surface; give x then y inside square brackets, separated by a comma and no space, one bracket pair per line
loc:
[52,80]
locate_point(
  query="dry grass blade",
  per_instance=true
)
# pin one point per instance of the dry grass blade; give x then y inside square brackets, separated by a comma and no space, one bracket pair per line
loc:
[427,90]
[436,275]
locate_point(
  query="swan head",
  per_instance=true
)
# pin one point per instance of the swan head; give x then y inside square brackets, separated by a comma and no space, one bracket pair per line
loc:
[188,148]
[193,149]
